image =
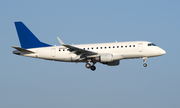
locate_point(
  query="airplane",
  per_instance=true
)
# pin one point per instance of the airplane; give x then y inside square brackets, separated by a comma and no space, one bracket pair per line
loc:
[106,53]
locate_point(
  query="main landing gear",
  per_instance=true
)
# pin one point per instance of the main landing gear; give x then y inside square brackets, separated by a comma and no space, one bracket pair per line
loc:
[144,60]
[88,65]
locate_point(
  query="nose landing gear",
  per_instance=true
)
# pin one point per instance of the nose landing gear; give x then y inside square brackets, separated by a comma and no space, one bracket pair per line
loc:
[144,60]
[145,65]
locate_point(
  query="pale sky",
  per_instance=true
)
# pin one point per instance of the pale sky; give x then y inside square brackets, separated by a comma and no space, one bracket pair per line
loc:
[37,83]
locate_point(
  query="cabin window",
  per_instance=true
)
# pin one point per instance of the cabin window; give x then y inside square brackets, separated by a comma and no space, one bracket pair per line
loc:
[83,48]
[109,47]
[91,48]
[63,49]
[129,45]
[105,47]
[88,48]
[113,46]
[117,46]
[126,46]
[96,47]
[101,47]
[133,45]
[121,46]
[59,50]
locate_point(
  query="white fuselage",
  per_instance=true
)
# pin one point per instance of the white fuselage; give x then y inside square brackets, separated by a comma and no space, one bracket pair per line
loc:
[106,53]
[119,50]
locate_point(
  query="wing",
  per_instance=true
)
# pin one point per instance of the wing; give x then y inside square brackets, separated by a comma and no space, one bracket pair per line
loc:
[78,51]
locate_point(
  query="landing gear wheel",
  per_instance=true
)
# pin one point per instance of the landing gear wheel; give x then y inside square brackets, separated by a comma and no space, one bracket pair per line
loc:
[93,68]
[88,65]
[145,65]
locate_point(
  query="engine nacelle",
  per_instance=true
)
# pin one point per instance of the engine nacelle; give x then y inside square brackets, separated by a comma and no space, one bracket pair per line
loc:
[106,58]
[114,63]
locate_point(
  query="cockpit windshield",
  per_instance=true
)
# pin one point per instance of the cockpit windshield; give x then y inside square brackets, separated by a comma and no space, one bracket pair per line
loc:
[151,44]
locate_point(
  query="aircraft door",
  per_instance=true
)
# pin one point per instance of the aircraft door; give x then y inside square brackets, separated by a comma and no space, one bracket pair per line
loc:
[53,52]
[140,47]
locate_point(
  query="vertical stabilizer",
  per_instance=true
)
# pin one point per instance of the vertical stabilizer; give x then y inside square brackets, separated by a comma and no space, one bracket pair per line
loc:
[27,38]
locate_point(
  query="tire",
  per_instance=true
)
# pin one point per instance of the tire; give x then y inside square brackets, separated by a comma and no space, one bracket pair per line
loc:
[93,68]
[88,65]
[145,65]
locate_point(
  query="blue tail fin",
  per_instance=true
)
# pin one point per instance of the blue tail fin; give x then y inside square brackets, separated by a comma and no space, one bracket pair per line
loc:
[27,38]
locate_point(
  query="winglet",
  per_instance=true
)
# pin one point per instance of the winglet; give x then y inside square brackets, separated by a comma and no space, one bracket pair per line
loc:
[61,42]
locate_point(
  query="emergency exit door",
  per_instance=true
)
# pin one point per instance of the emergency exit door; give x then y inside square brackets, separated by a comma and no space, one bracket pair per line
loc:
[53,52]
[140,47]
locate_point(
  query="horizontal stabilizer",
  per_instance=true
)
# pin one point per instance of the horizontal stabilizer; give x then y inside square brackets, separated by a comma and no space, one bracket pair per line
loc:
[23,50]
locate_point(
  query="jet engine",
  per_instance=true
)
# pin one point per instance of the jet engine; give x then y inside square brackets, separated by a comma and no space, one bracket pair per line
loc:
[113,63]
[106,58]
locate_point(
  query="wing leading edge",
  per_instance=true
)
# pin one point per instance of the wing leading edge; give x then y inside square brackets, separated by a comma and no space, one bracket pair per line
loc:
[76,50]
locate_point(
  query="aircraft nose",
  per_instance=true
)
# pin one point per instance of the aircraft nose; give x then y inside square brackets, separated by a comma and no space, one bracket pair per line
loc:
[162,51]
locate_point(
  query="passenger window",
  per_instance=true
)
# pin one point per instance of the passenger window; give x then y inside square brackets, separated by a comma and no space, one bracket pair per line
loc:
[121,46]
[63,49]
[113,46]
[105,47]
[91,48]
[117,46]
[88,48]
[126,46]
[59,50]
[101,47]
[129,45]
[109,47]
[133,45]
[96,47]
